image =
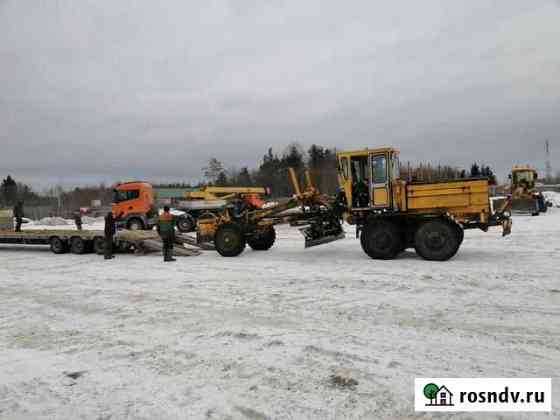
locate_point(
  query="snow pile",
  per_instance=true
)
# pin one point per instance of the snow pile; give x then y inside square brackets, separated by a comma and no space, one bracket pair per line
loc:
[553,197]
[87,220]
[54,221]
[270,204]
[174,212]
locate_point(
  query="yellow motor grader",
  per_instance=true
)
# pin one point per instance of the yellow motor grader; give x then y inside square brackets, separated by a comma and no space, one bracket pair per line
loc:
[390,214]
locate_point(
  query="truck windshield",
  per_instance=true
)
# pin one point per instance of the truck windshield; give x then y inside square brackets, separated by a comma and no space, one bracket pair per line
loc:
[119,196]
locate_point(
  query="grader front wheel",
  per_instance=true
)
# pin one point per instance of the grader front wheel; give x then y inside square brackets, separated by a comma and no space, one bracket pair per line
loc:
[229,240]
[437,240]
[263,241]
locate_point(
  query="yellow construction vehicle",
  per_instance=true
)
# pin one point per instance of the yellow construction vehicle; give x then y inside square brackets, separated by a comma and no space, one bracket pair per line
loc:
[212,200]
[524,195]
[225,193]
[390,214]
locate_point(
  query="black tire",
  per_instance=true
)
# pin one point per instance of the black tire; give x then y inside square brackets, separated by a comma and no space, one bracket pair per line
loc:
[58,246]
[99,245]
[461,233]
[264,241]
[186,223]
[381,240]
[229,240]
[135,224]
[78,245]
[437,240]
[124,247]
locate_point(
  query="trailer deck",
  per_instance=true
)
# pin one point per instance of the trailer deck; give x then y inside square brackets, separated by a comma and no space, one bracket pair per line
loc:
[60,241]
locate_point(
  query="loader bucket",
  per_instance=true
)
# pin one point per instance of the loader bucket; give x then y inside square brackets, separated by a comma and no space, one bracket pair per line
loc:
[525,205]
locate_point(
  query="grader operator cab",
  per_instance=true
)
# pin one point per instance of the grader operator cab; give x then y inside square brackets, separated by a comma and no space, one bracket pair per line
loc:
[390,214]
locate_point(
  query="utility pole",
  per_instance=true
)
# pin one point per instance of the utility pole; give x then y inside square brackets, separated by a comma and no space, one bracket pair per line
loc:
[548,166]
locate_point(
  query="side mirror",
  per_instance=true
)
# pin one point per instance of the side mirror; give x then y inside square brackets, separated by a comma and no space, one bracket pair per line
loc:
[509,176]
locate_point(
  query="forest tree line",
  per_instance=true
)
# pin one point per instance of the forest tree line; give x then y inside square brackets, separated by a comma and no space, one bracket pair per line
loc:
[271,171]
[321,162]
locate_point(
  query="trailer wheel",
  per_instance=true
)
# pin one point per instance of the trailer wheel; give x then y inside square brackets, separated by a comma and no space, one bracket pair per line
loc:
[229,240]
[264,241]
[381,240]
[437,240]
[99,245]
[58,246]
[124,247]
[78,246]
[186,223]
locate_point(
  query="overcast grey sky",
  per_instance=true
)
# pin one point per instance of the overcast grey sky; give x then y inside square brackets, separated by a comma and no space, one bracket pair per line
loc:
[95,90]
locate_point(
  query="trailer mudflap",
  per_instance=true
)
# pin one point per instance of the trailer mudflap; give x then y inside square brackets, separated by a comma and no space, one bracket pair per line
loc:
[506,227]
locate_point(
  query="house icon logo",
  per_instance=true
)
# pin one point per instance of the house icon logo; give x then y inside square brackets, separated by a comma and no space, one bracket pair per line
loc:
[439,396]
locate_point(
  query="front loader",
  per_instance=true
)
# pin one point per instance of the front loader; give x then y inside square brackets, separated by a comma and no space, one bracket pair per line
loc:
[526,199]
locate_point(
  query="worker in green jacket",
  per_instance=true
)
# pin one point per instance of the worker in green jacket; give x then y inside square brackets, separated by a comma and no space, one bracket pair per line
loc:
[166,230]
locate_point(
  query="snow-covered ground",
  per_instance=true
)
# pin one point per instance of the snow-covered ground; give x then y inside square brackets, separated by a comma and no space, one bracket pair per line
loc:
[259,336]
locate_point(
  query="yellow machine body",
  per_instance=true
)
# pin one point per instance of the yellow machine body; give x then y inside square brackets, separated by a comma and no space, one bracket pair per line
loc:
[374,175]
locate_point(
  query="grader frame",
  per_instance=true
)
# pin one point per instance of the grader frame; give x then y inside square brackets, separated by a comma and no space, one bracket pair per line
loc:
[314,217]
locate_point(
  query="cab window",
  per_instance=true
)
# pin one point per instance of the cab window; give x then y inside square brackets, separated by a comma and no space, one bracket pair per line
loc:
[379,169]
[358,168]
[119,196]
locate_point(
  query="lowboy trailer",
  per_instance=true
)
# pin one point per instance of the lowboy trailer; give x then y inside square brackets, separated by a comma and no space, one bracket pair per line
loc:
[59,241]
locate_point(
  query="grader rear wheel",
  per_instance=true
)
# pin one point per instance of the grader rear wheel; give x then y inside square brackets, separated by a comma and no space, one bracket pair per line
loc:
[229,240]
[264,241]
[437,240]
[381,240]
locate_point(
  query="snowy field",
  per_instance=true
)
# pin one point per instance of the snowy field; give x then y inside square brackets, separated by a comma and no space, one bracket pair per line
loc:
[259,336]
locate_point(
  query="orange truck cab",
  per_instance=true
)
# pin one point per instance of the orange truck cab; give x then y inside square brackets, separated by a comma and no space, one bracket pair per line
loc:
[134,205]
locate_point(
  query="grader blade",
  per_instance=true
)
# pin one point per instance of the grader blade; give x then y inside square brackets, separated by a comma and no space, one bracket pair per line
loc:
[322,231]
[323,240]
